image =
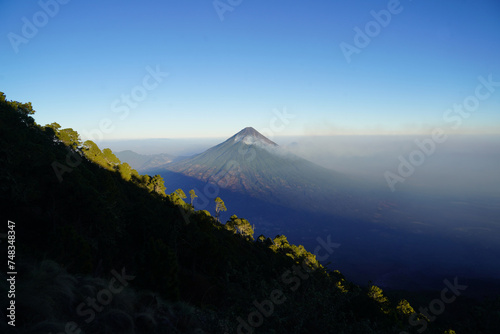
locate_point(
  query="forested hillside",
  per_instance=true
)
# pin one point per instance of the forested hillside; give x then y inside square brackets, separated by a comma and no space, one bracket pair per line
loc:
[103,249]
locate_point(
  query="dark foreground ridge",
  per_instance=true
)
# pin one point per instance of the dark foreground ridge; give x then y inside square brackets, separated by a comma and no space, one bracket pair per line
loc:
[102,249]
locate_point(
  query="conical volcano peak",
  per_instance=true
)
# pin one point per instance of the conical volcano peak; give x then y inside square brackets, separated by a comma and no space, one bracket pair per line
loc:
[249,131]
[251,136]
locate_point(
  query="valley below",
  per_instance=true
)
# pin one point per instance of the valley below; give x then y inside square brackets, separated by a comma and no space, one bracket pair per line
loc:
[411,246]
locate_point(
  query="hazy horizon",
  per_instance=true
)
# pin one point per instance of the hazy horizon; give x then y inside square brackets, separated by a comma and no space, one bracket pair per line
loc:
[461,165]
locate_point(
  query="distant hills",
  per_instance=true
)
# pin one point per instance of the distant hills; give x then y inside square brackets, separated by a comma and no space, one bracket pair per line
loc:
[142,162]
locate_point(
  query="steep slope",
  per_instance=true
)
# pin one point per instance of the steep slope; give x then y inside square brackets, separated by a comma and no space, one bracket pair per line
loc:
[252,164]
[94,239]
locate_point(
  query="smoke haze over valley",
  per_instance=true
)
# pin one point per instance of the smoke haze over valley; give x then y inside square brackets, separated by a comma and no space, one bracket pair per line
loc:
[463,165]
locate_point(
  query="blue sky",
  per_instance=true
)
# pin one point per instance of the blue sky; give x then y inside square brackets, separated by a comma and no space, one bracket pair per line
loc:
[263,58]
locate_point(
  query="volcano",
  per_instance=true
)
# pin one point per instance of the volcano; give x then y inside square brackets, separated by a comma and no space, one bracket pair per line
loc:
[251,164]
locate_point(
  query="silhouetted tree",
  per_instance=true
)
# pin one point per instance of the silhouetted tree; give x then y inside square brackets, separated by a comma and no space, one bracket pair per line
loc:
[69,137]
[280,241]
[404,308]
[125,171]
[110,157]
[93,153]
[240,226]
[158,185]
[180,193]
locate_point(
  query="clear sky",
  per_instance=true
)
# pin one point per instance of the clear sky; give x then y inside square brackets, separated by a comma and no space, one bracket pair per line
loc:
[239,64]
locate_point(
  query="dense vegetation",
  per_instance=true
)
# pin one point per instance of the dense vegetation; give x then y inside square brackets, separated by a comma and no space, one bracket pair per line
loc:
[103,249]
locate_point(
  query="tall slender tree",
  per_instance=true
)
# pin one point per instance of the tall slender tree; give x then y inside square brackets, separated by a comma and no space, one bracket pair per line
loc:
[193,195]
[219,206]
